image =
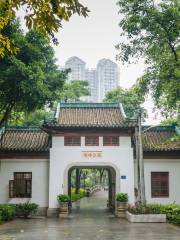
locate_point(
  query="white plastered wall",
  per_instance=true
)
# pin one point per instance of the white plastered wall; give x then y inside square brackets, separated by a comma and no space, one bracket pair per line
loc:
[63,157]
[163,165]
[40,178]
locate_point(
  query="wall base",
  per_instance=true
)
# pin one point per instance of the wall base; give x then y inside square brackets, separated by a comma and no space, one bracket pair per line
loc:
[42,211]
[52,212]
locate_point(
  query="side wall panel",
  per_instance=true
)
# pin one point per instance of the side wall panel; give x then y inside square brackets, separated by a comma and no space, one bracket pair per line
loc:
[40,178]
[163,165]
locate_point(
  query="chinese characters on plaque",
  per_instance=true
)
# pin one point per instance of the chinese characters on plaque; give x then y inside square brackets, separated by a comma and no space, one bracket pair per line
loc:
[89,154]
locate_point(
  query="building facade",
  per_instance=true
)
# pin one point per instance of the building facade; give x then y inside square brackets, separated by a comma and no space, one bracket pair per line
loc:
[108,77]
[92,78]
[101,80]
[35,164]
[77,67]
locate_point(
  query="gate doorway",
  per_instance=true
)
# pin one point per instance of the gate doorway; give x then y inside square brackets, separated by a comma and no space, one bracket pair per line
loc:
[92,184]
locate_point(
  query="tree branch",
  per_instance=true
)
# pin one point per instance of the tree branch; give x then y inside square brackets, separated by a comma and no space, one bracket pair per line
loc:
[6,114]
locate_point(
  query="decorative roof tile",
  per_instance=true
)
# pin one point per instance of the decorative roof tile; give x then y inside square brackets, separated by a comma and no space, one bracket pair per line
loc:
[99,115]
[36,140]
[160,139]
[24,140]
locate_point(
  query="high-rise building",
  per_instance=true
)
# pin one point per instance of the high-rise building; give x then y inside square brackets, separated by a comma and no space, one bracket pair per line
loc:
[77,67]
[101,80]
[91,77]
[108,77]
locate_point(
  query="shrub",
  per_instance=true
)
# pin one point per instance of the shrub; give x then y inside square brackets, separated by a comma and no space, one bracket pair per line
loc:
[77,196]
[26,209]
[122,197]
[7,212]
[63,198]
[172,211]
[144,208]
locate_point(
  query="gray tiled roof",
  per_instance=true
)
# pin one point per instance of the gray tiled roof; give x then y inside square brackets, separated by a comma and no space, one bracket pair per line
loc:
[162,138]
[24,140]
[36,140]
[98,115]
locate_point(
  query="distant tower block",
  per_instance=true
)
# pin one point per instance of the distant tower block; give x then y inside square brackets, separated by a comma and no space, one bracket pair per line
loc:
[108,77]
[77,67]
[101,80]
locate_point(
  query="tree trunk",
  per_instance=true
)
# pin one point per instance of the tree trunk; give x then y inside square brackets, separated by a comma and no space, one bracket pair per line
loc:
[101,171]
[137,165]
[141,164]
[77,180]
[6,114]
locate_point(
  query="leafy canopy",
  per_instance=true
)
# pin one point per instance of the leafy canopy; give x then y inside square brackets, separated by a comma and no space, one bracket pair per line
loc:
[44,16]
[30,79]
[129,98]
[73,91]
[152,31]
[35,118]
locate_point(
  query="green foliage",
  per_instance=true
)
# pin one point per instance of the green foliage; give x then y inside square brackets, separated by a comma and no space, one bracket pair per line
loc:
[175,122]
[44,16]
[72,91]
[172,211]
[26,209]
[89,182]
[35,118]
[77,196]
[63,198]
[10,211]
[170,121]
[122,197]
[30,79]
[129,98]
[7,212]
[152,31]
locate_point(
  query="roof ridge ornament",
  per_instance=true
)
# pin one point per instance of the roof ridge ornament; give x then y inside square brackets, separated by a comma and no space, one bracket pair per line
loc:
[28,128]
[88,105]
[122,111]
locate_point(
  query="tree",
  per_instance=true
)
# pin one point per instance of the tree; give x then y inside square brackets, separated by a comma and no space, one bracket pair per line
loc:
[129,98]
[171,121]
[30,79]
[35,118]
[72,91]
[43,16]
[152,31]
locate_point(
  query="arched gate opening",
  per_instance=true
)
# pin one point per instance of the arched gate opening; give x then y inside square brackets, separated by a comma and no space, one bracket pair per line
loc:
[103,179]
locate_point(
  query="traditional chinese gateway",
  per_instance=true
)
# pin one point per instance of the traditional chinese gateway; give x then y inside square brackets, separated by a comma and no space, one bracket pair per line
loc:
[87,135]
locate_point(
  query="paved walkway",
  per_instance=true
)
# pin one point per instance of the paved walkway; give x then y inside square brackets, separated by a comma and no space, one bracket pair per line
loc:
[89,221]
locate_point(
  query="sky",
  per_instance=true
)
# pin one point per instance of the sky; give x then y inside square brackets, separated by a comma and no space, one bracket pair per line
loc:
[94,38]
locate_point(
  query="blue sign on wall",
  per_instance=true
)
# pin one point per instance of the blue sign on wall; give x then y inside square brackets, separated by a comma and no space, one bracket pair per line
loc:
[123,177]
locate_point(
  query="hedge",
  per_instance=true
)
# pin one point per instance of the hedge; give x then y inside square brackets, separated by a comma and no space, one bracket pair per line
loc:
[172,211]
[10,211]
[76,196]
[7,212]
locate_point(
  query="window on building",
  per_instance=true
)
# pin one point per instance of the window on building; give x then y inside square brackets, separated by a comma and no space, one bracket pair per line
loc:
[21,186]
[111,141]
[72,141]
[92,141]
[160,184]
